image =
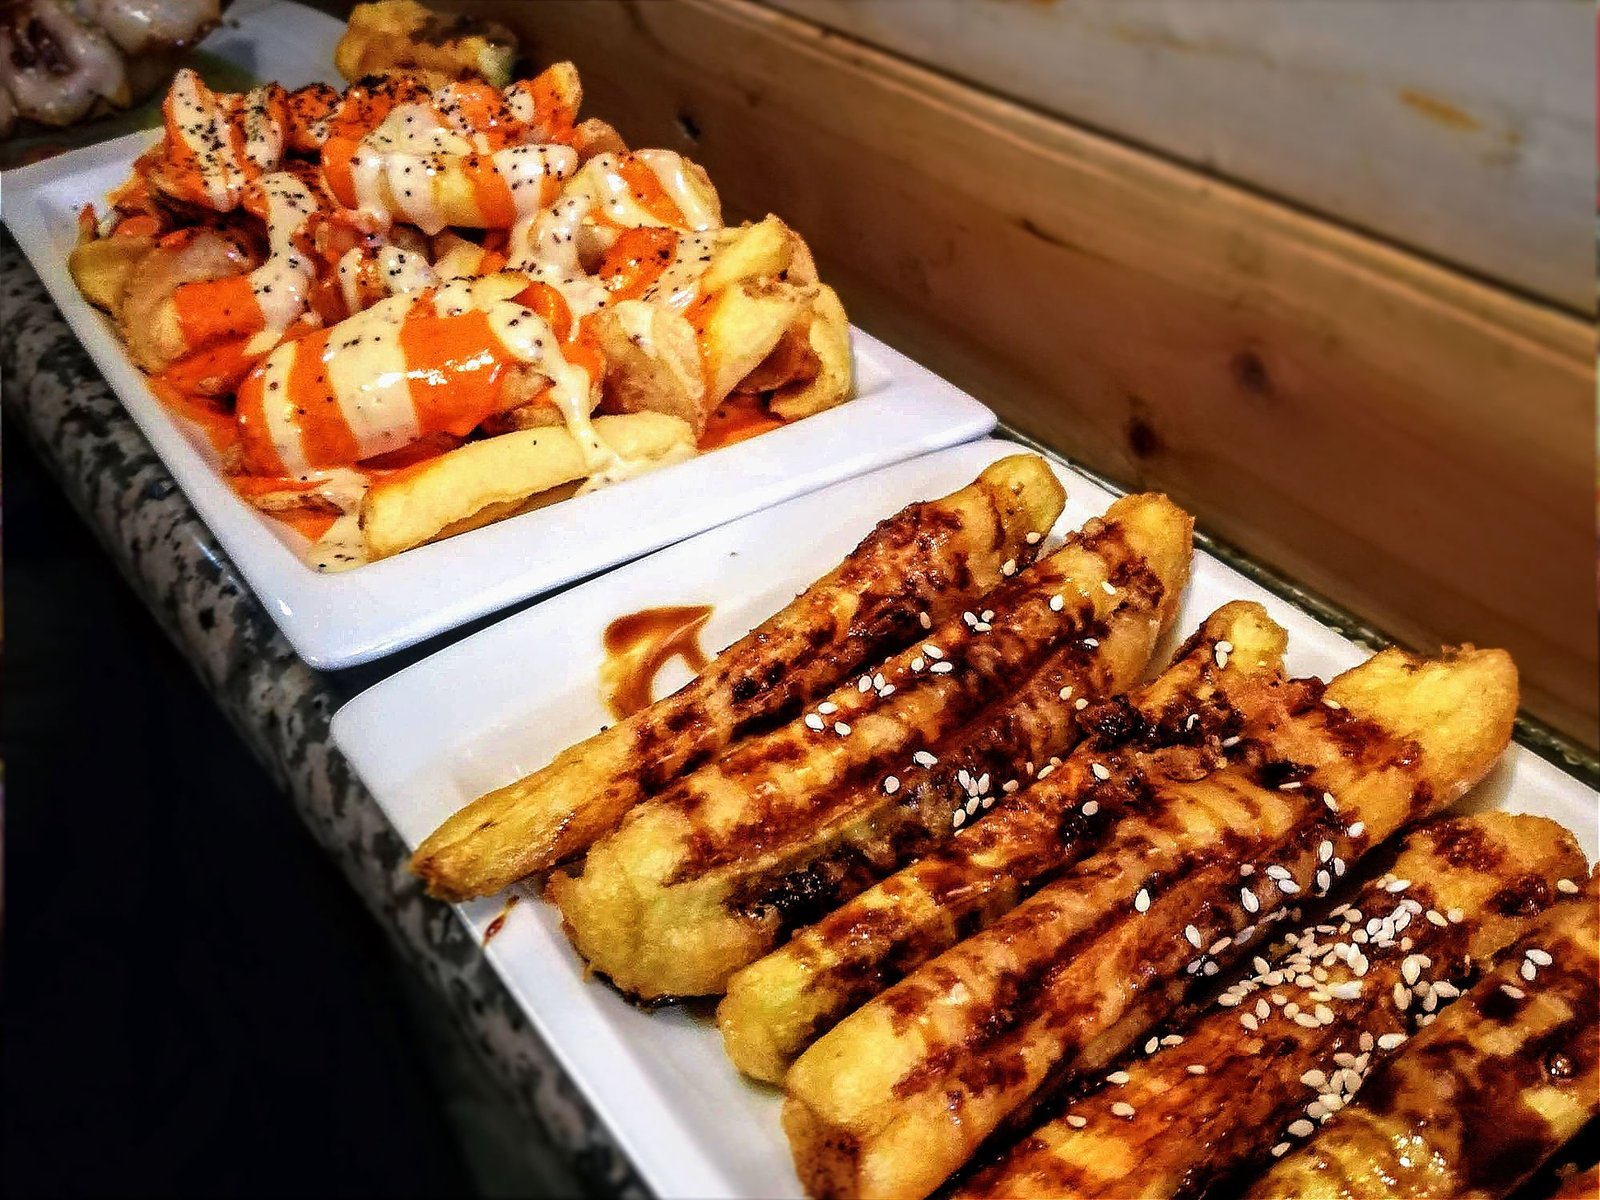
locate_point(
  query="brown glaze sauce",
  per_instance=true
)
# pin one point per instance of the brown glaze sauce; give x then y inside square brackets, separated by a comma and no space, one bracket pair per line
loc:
[499,922]
[640,644]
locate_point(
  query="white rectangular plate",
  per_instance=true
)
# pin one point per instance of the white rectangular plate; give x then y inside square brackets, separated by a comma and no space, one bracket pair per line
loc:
[900,410]
[503,702]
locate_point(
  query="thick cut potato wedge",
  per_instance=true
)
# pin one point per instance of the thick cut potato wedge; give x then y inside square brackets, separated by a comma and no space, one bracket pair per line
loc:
[1480,1098]
[445,494]
[101,268]
[1171,728]
[694,883]
[900,1093]
[402,35]
[146,318]
[827,337]
[661,359]
[934,557]
[1251,1076]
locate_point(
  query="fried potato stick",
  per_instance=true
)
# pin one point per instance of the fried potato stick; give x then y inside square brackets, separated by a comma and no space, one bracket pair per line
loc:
[934,557]
[672,903]
[1174,725]
[1285,1049]
[1482,1096]
[900,1094]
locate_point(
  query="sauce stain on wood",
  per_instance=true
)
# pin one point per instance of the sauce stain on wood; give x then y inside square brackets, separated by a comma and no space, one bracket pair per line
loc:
[1440,111]
[640,644]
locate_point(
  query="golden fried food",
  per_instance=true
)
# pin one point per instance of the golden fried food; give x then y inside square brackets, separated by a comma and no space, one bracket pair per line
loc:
[444,495]
[690,888]
[402,35]
[931,560]
[1283,1051]
[900,1093]
[1476,1101]
[337,284]
[1172,728]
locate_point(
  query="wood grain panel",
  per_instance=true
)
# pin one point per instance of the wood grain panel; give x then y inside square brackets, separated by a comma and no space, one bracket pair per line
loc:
[1414,444]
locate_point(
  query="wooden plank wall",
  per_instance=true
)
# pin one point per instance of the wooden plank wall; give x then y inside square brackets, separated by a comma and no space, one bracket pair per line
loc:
[1413,444]
[1465,130]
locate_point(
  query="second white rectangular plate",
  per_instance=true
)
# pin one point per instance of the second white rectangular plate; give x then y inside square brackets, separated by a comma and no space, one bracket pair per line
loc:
[503,702]
[900,410]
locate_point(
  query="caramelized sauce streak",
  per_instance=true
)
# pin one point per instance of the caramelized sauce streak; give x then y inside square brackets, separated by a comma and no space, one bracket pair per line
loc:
[640,644]
[499,922]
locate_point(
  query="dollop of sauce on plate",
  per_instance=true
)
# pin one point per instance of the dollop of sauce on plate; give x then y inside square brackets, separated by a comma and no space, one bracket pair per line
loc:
[639,644]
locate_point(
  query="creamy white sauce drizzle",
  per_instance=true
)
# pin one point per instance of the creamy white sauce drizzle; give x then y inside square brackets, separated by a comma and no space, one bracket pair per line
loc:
[678,285]
[203,126]
[367,372]
[545,247]
[263,135]
[281,283]
[672,172]
[527,168]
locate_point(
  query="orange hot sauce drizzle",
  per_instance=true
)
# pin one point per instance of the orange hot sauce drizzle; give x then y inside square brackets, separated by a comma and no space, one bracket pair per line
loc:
[636,260]
[648,192]
[212,309]
[455,373]
[741,416]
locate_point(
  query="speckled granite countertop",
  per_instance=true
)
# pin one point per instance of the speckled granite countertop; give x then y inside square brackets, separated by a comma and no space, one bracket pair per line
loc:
[280,706]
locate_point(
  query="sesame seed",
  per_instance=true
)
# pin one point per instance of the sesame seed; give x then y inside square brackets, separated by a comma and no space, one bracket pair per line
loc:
[1228,743]
[1152,1045]
[1357,829]
[1057,603]
[916,665]
[1248,899]
[1301,1128]
[1080,703]
[941,668]
[925,620]
[1100,771]
[1218,946]
[1277,872]
[1092,643]
[1541,957]
[891,785]
[1455,916]
[1528,970]
[1402,996]
[1012,785]
[923,759]
[1033,538]
[1141,902]
[1249,1021]
[886,691]
[1009,567]
[1092,807]
[814,722]
[932,651]
[1192,935]
[1107,588]
[1389,1041]
[1122,1109]
[1280,1150]
[1118,1077]
[841,728]
[1436,918]
[1196,1068]
[1515,993]
[959,816]
[1245,871]
[1324,1014]
[1567,886]
[827,708]
[1065,693]
[1397,885]
[864,684]
[1076,1121]
[1314,1079]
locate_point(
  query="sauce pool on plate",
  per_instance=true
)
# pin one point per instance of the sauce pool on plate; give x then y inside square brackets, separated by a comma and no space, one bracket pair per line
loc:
[639,644]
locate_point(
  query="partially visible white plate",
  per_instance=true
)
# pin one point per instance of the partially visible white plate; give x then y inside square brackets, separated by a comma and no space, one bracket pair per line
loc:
[503,702]
[900,410]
